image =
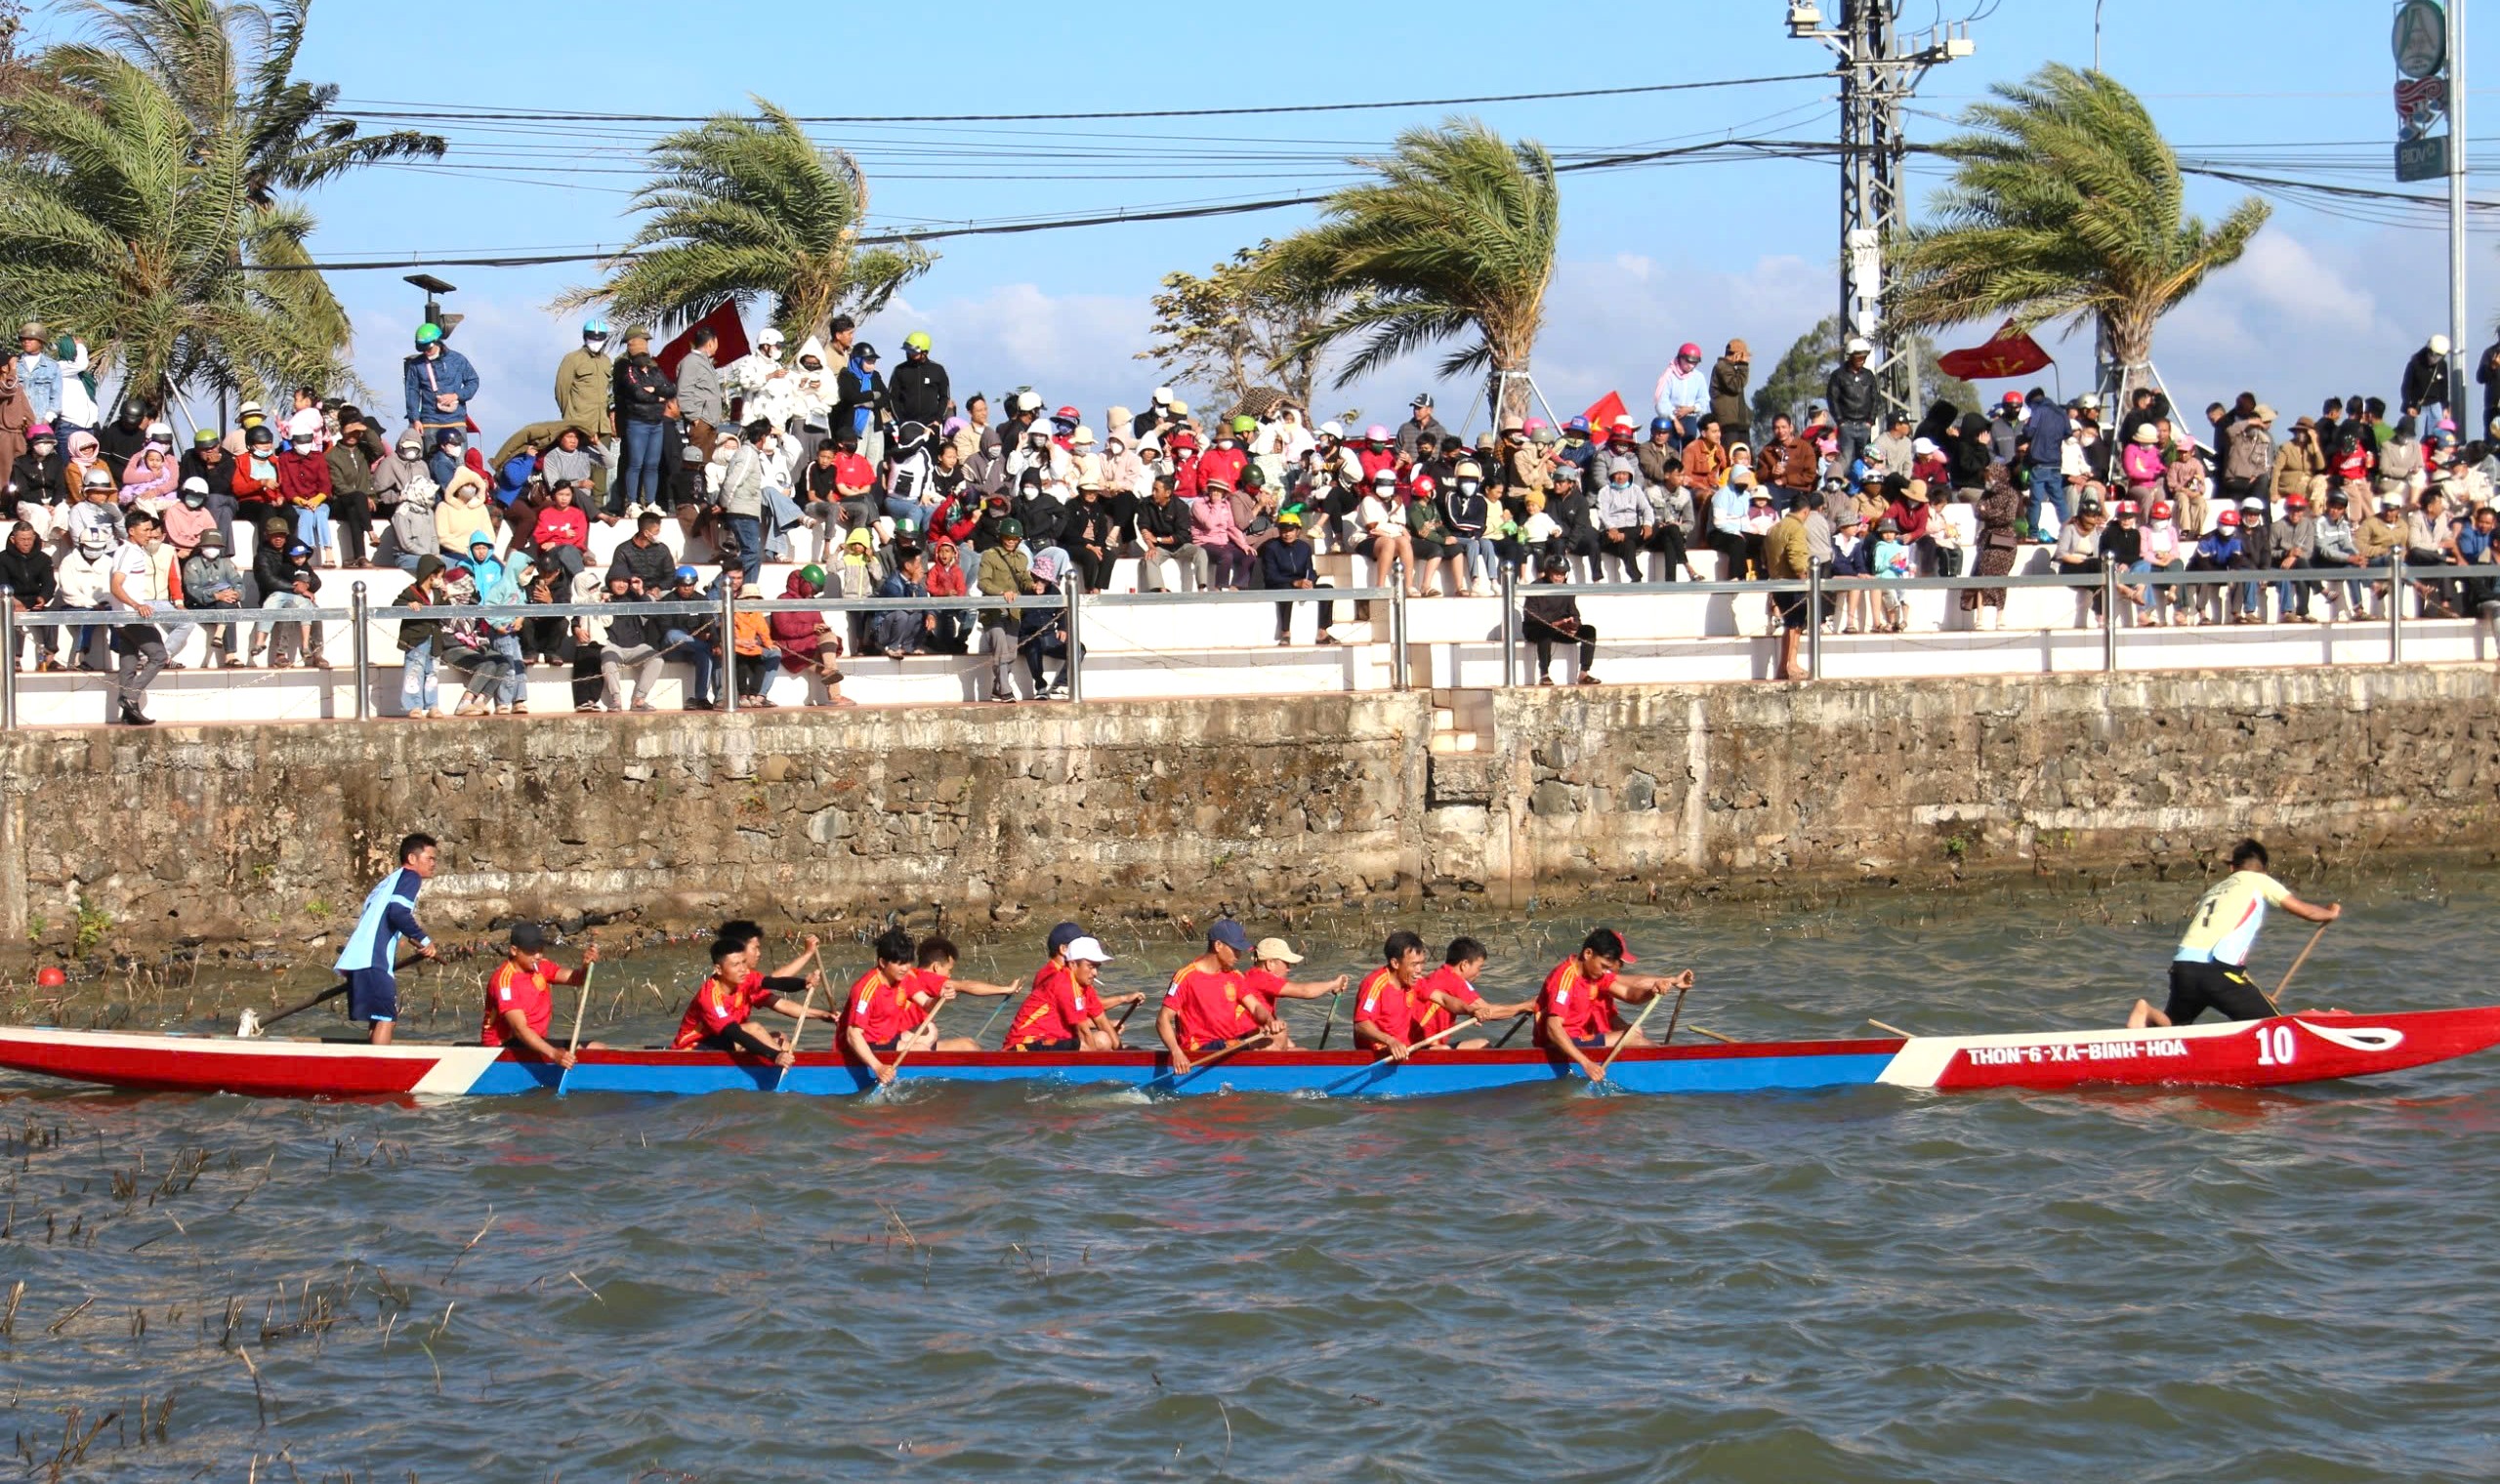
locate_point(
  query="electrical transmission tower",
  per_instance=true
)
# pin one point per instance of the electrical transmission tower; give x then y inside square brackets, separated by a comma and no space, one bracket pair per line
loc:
[1877,74]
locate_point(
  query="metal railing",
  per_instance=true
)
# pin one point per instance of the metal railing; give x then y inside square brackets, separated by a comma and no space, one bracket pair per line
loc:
[2103,584]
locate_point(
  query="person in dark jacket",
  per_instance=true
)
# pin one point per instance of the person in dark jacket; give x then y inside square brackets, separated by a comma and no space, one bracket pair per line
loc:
[352,459]
[1855,399]
[918,389]
[283,568]
[645,555]
[1549,621]
[642,392]
[39,477]
[1728,401]
[1091,537]
[861,402]
[1285,564]
[2425,385]
[25,570]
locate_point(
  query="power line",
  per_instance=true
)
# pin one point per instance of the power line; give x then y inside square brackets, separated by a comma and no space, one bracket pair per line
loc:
[458,113]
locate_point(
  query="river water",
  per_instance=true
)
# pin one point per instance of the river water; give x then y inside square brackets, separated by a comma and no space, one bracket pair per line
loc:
[981,1283]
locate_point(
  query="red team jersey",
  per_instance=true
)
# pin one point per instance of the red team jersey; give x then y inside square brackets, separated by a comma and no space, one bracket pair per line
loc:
[1055,1008]
[1382,1004]
[1212,1006]
[1263,985]
[716,1009]
[1586,1009]
[1429,1017]
[514,988]
[882,1011]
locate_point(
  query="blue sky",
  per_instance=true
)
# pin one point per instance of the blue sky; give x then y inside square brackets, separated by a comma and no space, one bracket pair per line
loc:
[1650,258]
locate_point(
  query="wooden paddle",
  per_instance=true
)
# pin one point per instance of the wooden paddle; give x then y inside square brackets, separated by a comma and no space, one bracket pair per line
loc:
[1330,1024]
[580,1008]
[1523,1018]
[1195,1067]
[1624,1040]
[1676,1015]
[2285,982]
[806,1004]
[1703,1030]
[329,994]
[1434,1038]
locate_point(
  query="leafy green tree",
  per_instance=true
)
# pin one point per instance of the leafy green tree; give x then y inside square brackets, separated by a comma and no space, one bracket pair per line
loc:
[1455,238]
[749,208]
[2065,205]
[1800,376]
[1239,328]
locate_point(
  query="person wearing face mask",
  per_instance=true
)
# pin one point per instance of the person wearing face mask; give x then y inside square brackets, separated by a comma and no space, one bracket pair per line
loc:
[211,583]
[254,480]
[642,392]
[1465,514]
[1623,519]
[85,583]
[38,488]
[439,380]
[583,378]
[188,519]
[26,571]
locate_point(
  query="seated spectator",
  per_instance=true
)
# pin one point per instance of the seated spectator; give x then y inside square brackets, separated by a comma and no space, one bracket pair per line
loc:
[625,643]
[901,631]
[461,516]
[948,578]
[189,517]
[692,636]
[516,474]
[560,533]
[807,644]
[752,655]
[1285,564]
[211,583]
[85,578]
[26,571]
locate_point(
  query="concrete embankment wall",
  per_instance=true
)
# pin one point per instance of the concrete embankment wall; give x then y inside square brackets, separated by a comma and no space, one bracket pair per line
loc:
[236,835]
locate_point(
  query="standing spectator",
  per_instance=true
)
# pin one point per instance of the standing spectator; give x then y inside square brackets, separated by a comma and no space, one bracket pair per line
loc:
[1417,424]
[1855,399]
[210,583]
[1787,555]
[78,408]
[584,377]
[1683,393]
[2046,428]
[863,404]
[2425,383]
[143,588]
[420,693]
[38,375]
[918,389]
[642,392]
[701,393]
[26,571]
[2000,507]
[741,498]
[2487,372]
[1729,403]
[439,383]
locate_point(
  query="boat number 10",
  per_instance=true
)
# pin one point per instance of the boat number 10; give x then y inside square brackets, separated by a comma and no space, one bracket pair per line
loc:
[2274,1045]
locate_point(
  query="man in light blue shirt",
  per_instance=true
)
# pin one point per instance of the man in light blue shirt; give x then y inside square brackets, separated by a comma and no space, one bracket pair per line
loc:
[370,962]
[39,374]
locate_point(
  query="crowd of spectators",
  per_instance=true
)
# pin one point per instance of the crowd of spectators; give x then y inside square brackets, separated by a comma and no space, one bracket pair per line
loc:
[878,484]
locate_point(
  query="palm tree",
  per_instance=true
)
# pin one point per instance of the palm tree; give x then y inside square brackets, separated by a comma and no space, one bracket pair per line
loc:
[126,222]
[230,70]
[745,207]
[1456,238]
[2065,205]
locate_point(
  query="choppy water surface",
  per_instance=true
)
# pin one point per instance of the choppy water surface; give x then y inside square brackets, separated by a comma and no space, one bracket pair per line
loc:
[976,1283]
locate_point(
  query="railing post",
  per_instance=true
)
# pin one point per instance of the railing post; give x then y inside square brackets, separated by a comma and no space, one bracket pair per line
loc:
[2109,618]
[1510,627]
[1072,588]
[1813,620]
[2396,607]
[728,670]
[1397,626]
[361,646]
[9,652]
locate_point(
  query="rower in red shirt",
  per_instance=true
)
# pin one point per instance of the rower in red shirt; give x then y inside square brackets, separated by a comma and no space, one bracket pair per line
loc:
[884,1005]
[1206,1009]
[719,1017]
[1449,992]
[1266,978]
[1576,1013]
[519,1007]
[1065,1012]
[932,983]
[1384,1007]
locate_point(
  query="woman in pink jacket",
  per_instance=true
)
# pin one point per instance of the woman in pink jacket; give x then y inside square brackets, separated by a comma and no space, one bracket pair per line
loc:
[1212,528]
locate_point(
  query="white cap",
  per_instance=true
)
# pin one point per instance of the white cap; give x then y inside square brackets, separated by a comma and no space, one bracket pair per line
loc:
[1162,394]
[2438,345]
[1085,951]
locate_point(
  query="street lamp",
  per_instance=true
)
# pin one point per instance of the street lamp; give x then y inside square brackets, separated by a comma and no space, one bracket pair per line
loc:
[434,287]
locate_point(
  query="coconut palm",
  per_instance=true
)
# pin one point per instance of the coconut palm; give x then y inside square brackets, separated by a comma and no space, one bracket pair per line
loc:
[1454,238]
[749,207]
[2065,205]
[230,70]
[127,223]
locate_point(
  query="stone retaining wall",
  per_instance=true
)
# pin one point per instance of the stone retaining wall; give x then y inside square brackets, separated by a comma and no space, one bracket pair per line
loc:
[230,836]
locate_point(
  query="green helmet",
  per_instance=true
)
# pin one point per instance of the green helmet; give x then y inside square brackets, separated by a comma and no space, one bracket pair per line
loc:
[429,334]
[1245,423]
[814,574]
[917,339]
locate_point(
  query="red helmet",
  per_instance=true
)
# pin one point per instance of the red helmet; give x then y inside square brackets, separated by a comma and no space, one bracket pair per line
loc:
[1687,351]
[2227,518]
[2161,510]
[1068,415]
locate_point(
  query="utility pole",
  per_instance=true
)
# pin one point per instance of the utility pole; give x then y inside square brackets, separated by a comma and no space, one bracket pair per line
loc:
[2459,348]
[1876,74]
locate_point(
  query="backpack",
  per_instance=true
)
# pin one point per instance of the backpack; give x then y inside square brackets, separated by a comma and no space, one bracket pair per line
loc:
[2251,455]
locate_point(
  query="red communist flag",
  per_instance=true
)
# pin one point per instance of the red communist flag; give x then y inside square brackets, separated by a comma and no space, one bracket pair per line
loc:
[2010,353]
[725,323]
[1602,416]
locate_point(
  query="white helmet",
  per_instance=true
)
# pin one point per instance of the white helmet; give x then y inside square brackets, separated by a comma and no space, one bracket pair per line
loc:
[770,337]
[2438,345]
[1333,431]
[1859,346]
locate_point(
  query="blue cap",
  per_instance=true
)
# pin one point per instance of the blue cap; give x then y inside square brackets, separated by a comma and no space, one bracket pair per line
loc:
[1577,425]
[689,574]
[298,549]
[1662,425]
[1229,934]
[1064,935]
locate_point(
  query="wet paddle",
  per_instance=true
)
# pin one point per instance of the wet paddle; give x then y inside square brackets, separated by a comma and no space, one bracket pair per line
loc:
[258,1027]
[1674,1015]
[1624,1040]
[1434,1038]
[1330,1024]
[782,1074]
[1195,1067]
[581,1008]
[2285,982]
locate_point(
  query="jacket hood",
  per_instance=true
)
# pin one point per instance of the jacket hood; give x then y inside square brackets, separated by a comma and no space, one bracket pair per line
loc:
[812,345]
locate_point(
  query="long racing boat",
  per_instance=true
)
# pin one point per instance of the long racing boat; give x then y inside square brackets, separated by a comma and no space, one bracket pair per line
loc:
[2311,1047]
